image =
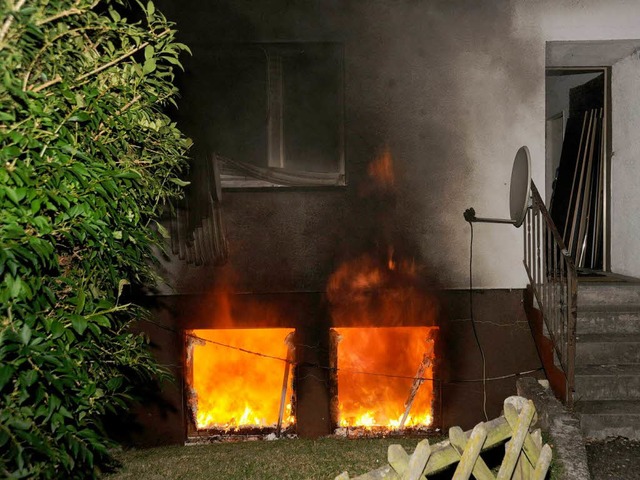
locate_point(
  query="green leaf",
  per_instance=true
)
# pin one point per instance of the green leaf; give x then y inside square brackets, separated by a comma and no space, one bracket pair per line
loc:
[149,52]
[6,372]
[101,320]
[150,9]
[149,66]
[57,328]
[79,323]
[121,285]
[163,231]
[132,174]
[79,99]
[25,334]
[179,182]
[15,194]
[35,206]
[80,117]
[30,378]
[81,299]
[15,287]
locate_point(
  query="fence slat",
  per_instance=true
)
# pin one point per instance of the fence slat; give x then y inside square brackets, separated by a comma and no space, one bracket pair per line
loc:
[537,438]
[517,441]
[529,447]
[464,448]
[523,470]
[459,441]
[418,461]
[471,453]
[542,466]
[398,458]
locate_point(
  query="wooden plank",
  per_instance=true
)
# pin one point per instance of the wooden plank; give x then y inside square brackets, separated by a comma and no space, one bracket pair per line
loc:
[444,455]
[517,441]
[415,386]
[530,449]
[398,458]
[586,196]
[471,453]
[568,173]
[542,466]
[418,461]
[576,193]
[285,381]
[590,234]
[523,469]
[536,435]
[459,442]
[562,185]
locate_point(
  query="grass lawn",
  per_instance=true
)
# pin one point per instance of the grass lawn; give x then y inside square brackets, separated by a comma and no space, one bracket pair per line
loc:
[263,460]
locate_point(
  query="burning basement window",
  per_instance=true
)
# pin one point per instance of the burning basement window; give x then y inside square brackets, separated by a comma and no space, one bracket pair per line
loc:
[233,389]
[370,360]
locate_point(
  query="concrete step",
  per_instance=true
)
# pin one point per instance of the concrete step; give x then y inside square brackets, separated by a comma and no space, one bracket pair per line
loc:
[607,382]
[609,418]
[611,293]
[607,349]
[614,319]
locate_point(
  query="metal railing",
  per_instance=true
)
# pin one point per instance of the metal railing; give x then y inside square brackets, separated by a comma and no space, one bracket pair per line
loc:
[554,283]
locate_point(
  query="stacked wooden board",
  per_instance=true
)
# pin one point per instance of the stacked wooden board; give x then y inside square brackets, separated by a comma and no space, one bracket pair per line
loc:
[577,204]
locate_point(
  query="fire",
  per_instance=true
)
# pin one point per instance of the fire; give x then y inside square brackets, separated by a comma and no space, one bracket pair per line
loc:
[234,388]
[379,290]
[379,400]
[381,170]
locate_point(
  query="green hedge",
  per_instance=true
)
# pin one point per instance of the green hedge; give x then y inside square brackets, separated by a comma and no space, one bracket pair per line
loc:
[88,161]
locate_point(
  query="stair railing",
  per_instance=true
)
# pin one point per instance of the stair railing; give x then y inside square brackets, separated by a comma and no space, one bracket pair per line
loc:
[554,282]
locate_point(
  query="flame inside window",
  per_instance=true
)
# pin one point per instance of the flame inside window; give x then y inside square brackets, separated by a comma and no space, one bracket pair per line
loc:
[367,400]
[233,388]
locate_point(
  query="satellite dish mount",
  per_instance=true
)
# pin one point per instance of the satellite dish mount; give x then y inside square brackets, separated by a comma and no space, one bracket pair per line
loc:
[519,193]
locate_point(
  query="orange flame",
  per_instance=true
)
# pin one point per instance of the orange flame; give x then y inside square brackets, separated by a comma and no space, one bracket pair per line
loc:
[379,291]
[384,292]
[379,400]
[235,388]
[381,170]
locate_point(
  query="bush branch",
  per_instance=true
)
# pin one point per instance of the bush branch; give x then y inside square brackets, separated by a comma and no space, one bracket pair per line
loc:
[7,23]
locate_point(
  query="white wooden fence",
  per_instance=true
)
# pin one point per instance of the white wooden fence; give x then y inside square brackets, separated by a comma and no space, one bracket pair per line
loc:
[525,458]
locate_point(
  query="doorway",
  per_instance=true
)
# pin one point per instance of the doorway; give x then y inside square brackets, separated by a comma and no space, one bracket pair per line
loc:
[577,131]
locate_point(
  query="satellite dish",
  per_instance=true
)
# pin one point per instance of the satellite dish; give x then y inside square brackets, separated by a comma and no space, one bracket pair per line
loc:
[519,193]
[520,190]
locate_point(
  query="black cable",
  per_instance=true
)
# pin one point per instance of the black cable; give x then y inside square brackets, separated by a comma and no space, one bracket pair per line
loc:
[348,370]
[475,331]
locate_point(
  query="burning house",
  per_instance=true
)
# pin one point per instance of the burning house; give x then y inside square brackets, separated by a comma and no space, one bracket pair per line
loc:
[319,270]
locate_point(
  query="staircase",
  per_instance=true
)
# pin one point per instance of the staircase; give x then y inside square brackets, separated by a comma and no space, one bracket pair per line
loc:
[607,372]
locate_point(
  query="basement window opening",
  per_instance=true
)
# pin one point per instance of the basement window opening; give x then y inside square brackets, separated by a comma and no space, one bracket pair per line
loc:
[386,377]
[232,390]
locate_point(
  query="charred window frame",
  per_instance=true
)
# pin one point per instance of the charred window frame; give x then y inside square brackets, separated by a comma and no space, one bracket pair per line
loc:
[273,113]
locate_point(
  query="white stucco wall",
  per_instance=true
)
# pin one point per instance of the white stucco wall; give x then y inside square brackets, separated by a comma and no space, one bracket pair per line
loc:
[503,118]
[587,20]
[625,166]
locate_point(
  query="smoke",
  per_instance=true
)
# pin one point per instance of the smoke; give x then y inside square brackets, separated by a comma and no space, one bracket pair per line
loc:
[449,86]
